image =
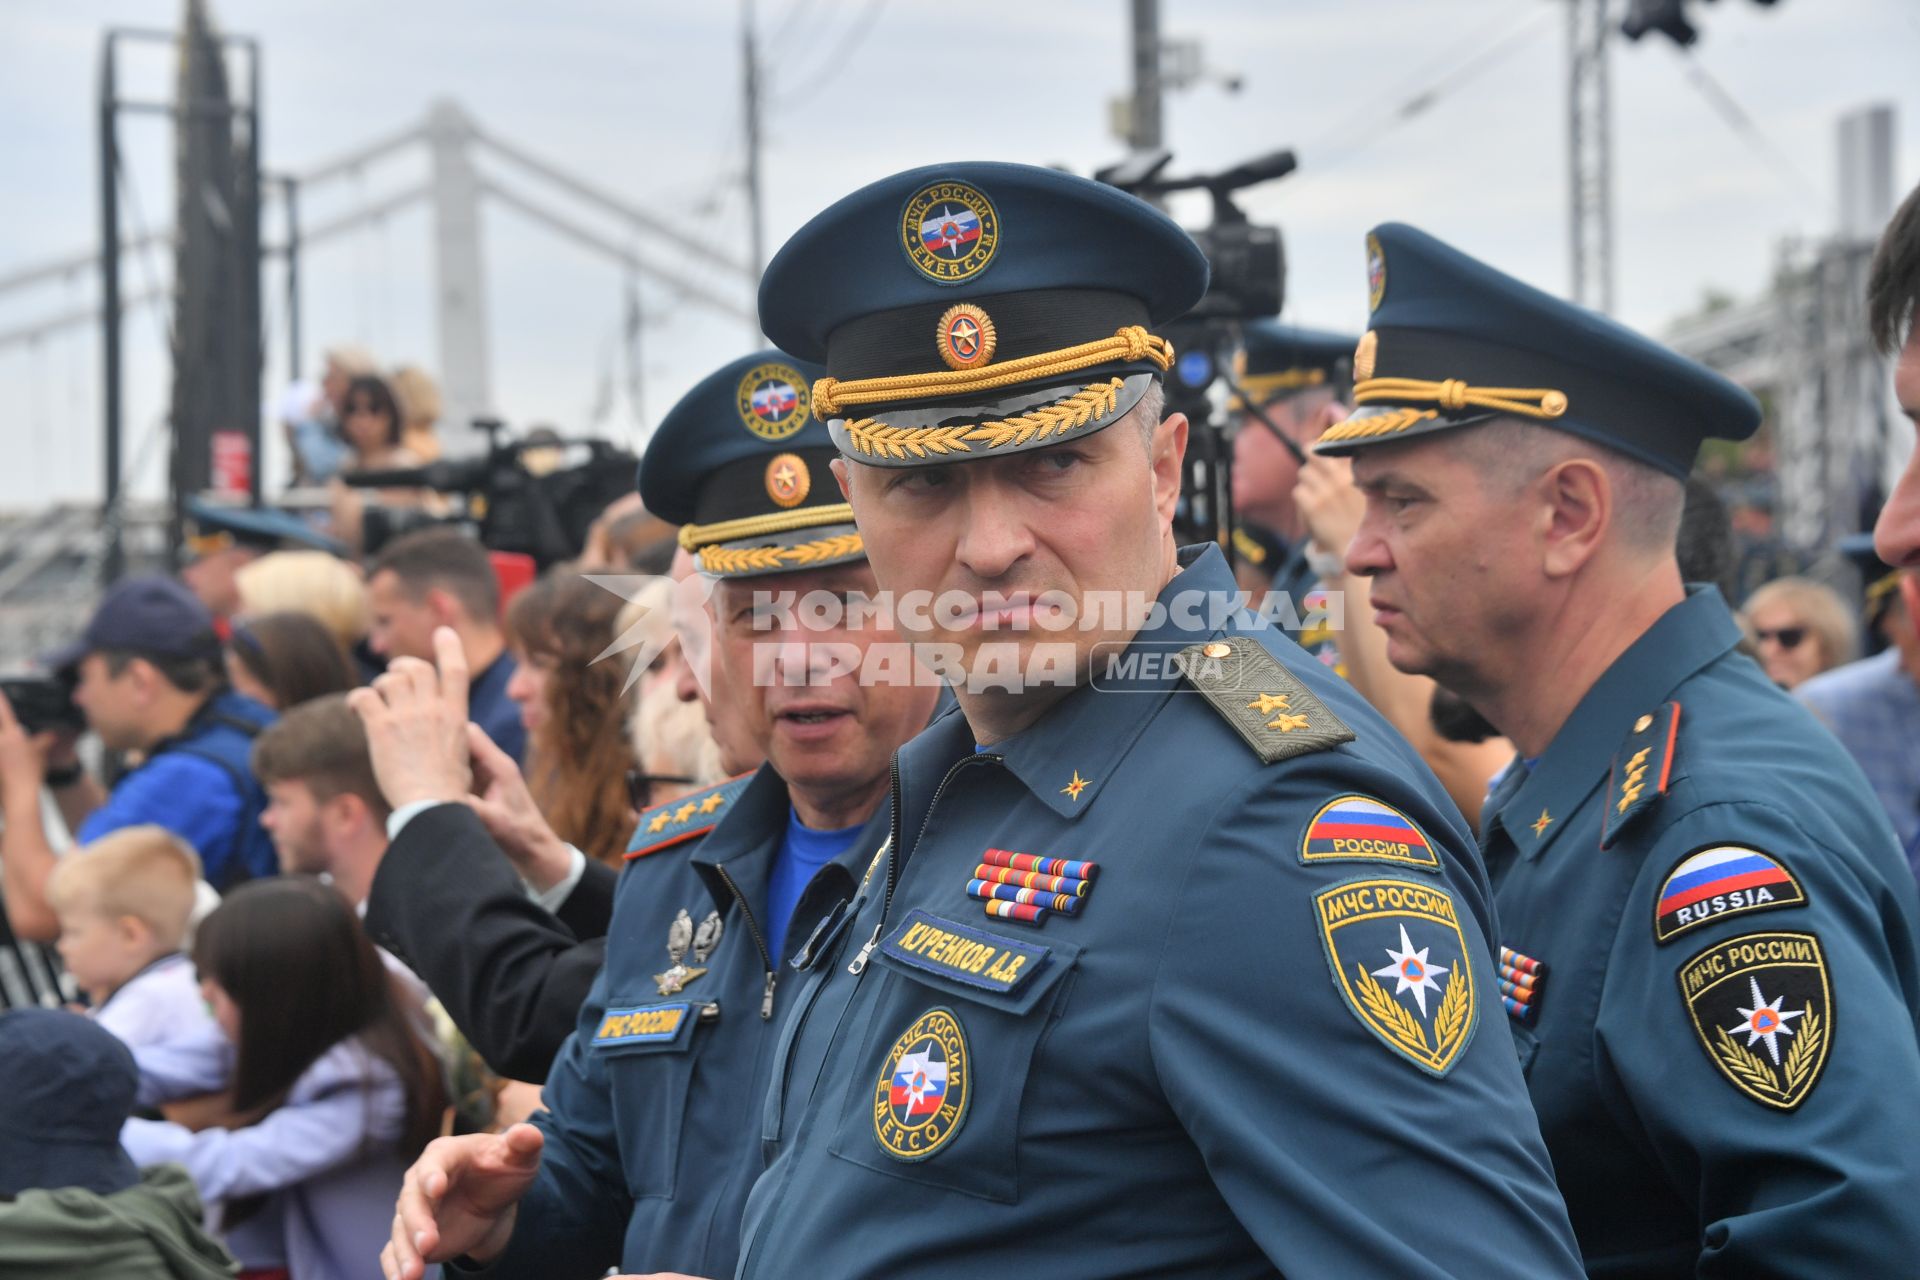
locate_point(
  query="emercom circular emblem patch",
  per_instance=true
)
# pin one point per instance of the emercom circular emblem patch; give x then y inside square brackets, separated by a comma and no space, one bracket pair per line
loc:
[950,232]
[921,1096]
[773,401]
[1376,272]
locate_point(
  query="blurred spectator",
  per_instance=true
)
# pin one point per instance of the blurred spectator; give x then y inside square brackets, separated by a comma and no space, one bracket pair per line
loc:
[312,415]
[672,744]
[626,538]
[285,659]
[1799,628]
[576,759]
[372,426]
[148,677]
[125,905]
[222,540]
[71,1201]
[1873,706]
[442,578]
[330,590]
[419,397]
[324,809]
[1704,546]
[334,1092]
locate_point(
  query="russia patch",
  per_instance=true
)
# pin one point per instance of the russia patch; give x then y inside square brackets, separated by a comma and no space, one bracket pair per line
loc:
[1362,829]
[1405,933]
[921,1096]
[1723,880]
[645,1024]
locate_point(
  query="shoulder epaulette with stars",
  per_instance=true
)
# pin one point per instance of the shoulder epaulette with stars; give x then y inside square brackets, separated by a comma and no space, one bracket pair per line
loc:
[676,821]
[1267,705]
[1640,771]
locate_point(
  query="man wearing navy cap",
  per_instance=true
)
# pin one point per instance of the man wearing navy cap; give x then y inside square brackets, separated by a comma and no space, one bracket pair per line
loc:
[1711,945]
[651,1138]
[1292,385]
[1111,1002]
[148,677]
[220,540]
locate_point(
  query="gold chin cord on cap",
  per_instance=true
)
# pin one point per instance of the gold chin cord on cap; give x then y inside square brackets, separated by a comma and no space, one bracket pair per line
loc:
[693,536]
[1450,395]
[1132,342]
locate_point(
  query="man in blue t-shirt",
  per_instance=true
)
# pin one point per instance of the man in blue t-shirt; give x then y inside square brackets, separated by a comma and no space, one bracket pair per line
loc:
[147,675]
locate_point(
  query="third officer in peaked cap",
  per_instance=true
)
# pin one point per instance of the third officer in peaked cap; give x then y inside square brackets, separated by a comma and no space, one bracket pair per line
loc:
[1710,953]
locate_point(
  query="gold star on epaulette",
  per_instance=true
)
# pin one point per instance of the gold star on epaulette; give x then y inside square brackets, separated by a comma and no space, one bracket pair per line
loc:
[712,802]
[1287,724]
[685,811]
[1268,703]
[660,821]
[1073,789]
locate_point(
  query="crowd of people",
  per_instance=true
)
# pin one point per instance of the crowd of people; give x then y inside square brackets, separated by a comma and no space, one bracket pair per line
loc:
[392,911]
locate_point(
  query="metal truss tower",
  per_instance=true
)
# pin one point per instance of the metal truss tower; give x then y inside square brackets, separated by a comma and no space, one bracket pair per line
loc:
[1590,152]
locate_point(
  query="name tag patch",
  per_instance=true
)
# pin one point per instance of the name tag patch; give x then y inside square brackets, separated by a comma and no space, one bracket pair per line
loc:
[1724,880]
[984,961]
[644,1024]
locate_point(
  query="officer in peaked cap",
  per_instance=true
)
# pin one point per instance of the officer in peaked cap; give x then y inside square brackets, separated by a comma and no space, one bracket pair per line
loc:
[651,1132]
[1109,1004]
[1709,955]
[221,539]
[1292,384]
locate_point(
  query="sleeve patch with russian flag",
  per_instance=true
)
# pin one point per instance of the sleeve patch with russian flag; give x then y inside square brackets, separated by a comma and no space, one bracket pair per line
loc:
[1362,829]
[1720,881]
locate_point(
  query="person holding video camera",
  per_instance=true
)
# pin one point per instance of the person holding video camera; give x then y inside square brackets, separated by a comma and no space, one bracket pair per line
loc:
[146,675]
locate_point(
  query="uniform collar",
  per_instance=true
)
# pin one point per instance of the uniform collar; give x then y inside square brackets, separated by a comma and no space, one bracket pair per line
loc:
[1686,638]
[1066,757]
[748,837]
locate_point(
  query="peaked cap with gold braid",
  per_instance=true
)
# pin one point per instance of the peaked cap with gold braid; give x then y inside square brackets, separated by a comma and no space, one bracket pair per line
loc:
[1451,342]
[969,311]
[741,465]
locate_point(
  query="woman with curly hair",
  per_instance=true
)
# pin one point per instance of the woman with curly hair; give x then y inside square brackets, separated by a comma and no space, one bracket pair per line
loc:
[577,749]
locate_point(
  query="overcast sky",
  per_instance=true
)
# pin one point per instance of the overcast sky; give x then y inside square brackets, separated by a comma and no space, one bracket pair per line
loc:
[642,97]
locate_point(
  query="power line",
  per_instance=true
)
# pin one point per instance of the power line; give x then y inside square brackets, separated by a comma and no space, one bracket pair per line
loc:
[850,40]
[1736,118]
[1341,145]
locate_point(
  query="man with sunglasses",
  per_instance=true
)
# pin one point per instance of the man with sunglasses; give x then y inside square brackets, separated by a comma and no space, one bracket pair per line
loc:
[651,1139]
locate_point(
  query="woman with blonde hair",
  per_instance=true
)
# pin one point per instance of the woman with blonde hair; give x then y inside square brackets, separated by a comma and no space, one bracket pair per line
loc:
[1799,628]
[324,587]
[672,743]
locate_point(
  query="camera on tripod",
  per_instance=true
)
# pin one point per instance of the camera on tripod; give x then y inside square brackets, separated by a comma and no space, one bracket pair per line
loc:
[1249,275]
[537,496]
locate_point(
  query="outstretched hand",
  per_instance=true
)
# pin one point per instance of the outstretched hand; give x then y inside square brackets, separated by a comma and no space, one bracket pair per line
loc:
[460,1198]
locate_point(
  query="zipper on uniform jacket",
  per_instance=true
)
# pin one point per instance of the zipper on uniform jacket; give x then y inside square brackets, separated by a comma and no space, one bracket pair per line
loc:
[859,964]
[759,940]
